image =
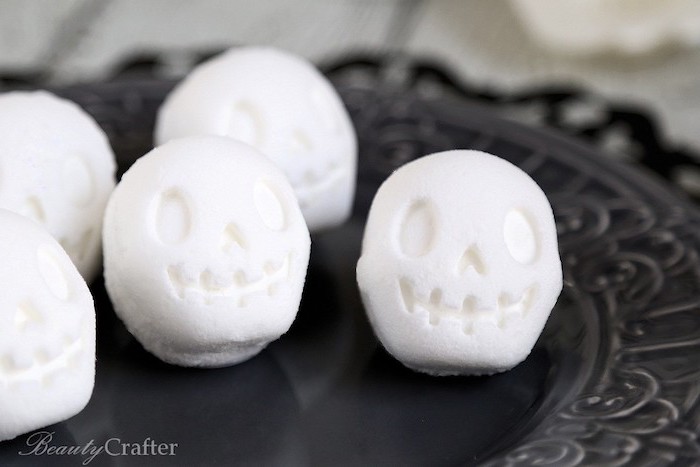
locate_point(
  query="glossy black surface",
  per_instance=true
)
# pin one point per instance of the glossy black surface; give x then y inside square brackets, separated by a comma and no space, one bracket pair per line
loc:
[611,380]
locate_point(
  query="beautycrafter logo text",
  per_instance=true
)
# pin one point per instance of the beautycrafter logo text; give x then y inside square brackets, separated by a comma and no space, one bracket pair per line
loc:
[40,444]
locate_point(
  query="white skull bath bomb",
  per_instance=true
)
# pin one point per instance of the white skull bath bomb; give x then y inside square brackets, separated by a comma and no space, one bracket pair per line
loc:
[57,168]
[47,330]
[283,106]
[460,266]
[205,251]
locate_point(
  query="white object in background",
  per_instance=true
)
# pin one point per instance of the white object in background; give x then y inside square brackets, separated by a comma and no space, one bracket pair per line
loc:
[57,168]
[205,251]
[47,330]
[283,106]
[460,267]
[626,26]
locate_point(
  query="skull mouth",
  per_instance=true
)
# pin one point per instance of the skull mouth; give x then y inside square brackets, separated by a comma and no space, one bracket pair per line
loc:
[313,184]
[470,311]
[43,366]
[240,288]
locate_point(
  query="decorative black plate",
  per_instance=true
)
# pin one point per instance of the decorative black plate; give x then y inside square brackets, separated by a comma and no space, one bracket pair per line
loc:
[612,381]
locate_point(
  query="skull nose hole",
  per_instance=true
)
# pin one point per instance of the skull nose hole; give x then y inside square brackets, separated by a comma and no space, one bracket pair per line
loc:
[471,258]
[25,315]
[301,141]
[232,238]
[34,209]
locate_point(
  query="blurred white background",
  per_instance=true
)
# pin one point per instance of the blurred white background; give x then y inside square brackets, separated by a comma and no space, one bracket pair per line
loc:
[487,43]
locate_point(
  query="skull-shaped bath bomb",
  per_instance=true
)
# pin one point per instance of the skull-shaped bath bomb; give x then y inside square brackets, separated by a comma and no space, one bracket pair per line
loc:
[57,168]
[460,267]
[283,106]
[205,251]
[47,330]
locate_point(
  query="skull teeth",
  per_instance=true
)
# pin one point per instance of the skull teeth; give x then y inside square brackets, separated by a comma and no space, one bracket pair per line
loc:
[313,176]
[43,365]
[239,287]
[270,268]
[240,279]
[41,357]
[470,311]
[313,184]
[309,178]
[20,362]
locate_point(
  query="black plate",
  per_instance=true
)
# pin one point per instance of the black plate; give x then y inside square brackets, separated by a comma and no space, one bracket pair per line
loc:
[613,380]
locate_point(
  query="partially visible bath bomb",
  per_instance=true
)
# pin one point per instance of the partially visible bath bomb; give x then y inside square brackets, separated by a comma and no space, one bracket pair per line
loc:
[57,168]
[587,27]
[283,106]
[205,251]
[460,267]
[47,330]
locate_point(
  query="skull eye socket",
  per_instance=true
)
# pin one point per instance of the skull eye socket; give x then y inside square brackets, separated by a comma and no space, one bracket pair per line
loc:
[269,205]
[173,217]
[52,272]
[418,229]
[78,180]
[246,123]
[301,142]
[520,236]
[323,102]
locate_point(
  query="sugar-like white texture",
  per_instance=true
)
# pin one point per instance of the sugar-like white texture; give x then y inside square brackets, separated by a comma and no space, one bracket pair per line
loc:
[47,330]
[205,251]
[57,168]
[283,106]
[460,267]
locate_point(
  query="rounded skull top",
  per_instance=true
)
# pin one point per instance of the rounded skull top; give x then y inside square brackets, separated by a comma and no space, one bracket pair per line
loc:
[205,251]
[47,330]
[280,104]
[57,168]
[460,267]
